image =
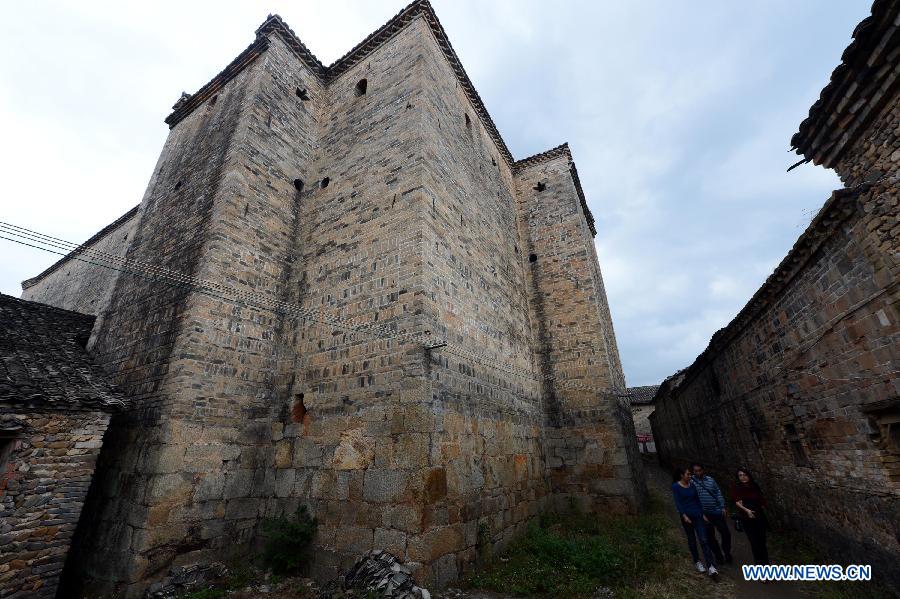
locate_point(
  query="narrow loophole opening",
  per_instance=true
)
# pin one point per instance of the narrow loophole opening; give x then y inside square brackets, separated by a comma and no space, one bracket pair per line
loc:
[298,184]
[298,408]
[325,182]
[361,86]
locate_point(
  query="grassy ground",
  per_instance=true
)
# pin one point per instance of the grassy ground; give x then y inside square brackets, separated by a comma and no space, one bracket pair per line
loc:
[572,555]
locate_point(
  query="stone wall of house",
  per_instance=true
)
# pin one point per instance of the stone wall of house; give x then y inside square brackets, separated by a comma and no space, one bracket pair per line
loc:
[42,491]
[589,444]
[187,472]
[802,386]
[353,434]
[389,211]
[74,282]
[488,461]
[875,153]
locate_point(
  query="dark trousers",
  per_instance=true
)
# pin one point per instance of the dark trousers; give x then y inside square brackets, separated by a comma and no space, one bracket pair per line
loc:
[697,527]
[756,534]
[717,522]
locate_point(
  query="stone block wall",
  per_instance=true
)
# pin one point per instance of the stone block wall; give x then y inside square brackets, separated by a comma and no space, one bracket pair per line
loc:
[589,444]
[384,219]
[74,282]
[188,472]
[802,387]
[876,153]
[489,472]
[42,491]
[354,434]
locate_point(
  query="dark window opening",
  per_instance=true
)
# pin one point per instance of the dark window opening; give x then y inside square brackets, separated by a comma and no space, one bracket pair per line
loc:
[493,162]
[515,247]
[468,122]
[298,408]
[325,182]
[178,185]
[541,186]
[298,184]
[302,94]
[532,257]
[361,86]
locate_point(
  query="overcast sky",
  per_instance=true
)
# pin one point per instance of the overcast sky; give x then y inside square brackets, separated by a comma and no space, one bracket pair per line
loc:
[679,115]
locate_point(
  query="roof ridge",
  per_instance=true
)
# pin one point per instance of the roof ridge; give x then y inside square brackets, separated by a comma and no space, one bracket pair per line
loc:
[560,150]
[96,236]
[275,24]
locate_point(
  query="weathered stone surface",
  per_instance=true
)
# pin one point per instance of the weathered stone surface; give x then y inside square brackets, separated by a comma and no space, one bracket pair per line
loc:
[399,210]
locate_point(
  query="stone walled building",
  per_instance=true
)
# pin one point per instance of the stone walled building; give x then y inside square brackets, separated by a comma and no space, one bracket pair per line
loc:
[55,405]
[803,386]
[641,401]
[350,296]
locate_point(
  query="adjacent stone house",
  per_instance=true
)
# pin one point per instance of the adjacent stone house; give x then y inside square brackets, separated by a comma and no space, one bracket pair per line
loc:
[55,406]
[641,401]
[803,386]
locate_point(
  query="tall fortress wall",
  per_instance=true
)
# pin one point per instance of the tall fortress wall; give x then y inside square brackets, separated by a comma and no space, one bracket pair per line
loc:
[447,371]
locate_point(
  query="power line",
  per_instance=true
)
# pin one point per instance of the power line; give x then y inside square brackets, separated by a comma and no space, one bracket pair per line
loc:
[35,239]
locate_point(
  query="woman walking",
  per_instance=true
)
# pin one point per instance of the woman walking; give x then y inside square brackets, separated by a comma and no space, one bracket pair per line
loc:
[751,503]
[687,502]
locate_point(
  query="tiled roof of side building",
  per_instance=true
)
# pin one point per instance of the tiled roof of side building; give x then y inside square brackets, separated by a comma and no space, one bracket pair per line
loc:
[860,86]
[642,395]
[43,361]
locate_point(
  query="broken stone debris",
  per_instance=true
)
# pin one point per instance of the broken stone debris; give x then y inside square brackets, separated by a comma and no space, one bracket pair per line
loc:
[381,572]
[183,579]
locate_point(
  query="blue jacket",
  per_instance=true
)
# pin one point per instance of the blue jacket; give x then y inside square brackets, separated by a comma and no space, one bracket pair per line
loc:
[710,495]
[686,500]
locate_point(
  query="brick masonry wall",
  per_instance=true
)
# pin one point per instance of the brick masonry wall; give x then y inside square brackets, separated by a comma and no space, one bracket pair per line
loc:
[590,444]
[404,225]
[488,462]
[188,471]
[80,286]
[875,153]
[42,491]
[804,391]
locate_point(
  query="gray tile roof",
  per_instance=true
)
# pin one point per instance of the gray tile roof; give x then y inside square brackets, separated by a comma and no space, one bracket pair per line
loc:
[642,395]
[43,361]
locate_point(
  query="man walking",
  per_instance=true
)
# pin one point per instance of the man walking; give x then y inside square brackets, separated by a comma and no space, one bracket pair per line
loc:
[713,503]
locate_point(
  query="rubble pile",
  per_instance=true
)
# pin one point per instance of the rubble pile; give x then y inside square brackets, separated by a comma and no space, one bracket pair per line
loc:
[381,572]
[184,579]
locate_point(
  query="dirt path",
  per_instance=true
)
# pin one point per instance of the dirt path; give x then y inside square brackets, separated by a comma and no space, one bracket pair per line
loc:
[661,481]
